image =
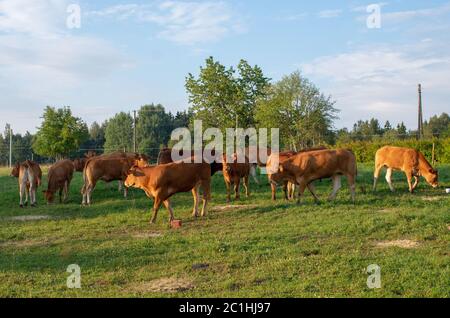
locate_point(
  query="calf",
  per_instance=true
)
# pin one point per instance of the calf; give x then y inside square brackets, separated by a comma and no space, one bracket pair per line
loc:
[162,181]
[276,177]
[29,176]
[59,177]
[79,163]
[304,168]
[233,172]
[412,162]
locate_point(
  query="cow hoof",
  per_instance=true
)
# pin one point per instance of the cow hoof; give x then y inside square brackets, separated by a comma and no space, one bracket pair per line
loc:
[21,206]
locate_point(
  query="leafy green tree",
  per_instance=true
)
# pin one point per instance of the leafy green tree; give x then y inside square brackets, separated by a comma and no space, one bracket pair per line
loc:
[219,96]
[154,127]
[438,126]
[119,133]
[302,113]
[59,134]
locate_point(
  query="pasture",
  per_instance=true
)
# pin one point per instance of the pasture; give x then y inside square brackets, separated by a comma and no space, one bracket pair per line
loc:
[255,248]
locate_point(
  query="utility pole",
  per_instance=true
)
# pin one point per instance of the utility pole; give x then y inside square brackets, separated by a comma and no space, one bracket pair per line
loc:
[420,115]
[134,131]
[10,146]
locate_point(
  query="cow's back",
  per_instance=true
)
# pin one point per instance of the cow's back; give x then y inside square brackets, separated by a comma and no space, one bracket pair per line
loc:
[60,172]
[396,157]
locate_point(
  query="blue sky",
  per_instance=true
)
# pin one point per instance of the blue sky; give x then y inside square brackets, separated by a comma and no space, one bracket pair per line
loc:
[130,53]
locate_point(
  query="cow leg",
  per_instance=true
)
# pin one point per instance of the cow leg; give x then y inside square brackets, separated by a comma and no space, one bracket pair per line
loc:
[125,192]
[291,187]
[206,187]
[22,192]
[416,182]
[156,206]
[273,186]
[247,192]
[351,179]
[169,208]
[311,189]
[285,190]
[301,188]
[89,190]
[376,175]
[228,185]
[409,176]
[196,195]
[336,186]
[237,195]
[33,196]
[389,179]
[120,186]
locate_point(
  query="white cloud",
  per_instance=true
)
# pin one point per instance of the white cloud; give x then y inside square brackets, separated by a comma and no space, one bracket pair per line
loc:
[402,16]
[41,61]
[182,22]
[326,14]
[382,82]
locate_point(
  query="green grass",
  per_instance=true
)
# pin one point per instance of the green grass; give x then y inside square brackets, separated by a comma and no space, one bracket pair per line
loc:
[271,250]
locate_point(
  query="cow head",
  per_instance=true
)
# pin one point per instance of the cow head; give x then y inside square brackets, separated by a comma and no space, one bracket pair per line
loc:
[133,176]
[432,177]
[15,170]
[49,196]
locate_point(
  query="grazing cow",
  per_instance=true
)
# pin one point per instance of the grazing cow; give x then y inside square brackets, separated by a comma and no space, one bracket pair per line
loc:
[412,162]
[107,168]
[59,177]
[304,168]
[29,175]
[162,181]
[276,177]
[165,157]
[233,172]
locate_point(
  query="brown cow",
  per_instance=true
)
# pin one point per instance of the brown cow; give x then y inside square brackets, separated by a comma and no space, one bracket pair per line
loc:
[29,175]
[59,177]
[107,168]
[163,181]
[276,177]
[412,162]
[304,168]
[165,157]
[233,172]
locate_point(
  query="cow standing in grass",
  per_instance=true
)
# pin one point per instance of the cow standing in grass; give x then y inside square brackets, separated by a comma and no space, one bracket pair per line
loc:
[276,177]
[29,175]
[163,181]
[412,162]
[307,167]
[233,172]
[59,177]
[108,168]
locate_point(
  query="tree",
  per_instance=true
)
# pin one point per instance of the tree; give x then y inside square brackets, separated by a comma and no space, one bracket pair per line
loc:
[59,134]
[218,96]
[119,133]
[154,127]
[437,126]
[302,113]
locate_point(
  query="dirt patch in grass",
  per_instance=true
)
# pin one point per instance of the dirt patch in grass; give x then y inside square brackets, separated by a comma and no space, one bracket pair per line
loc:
[23,243]
[162,285]
[145,235]
[229,207]
[24,218]
[431,199]
[388,210]
[398,243]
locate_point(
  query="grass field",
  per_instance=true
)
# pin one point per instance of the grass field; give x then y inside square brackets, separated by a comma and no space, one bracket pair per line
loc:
[264,249]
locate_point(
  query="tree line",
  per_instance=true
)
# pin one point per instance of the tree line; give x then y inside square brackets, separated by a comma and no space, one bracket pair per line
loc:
[222,97]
